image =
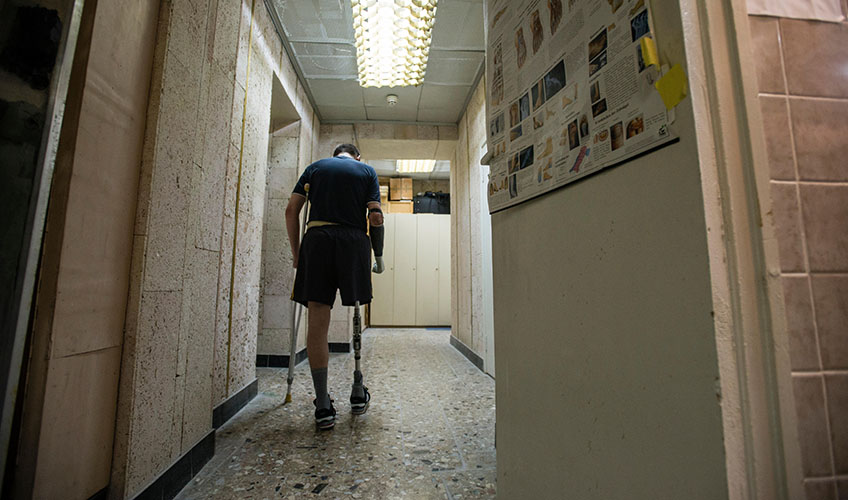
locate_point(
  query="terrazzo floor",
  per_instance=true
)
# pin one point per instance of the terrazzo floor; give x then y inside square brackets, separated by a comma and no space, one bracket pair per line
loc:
[428,433]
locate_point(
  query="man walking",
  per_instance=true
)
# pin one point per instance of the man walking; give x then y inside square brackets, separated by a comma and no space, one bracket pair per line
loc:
[334,255]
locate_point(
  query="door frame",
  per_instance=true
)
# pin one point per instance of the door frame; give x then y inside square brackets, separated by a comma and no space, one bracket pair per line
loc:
[755,387]
[34,230]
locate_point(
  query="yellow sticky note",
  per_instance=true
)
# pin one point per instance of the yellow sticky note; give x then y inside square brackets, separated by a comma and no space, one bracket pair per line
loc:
[649,51]
[673,86]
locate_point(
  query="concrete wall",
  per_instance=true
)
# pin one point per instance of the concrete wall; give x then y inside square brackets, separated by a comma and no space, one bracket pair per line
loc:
[435,185]
[466,239]
[77,334]
[391,141]
[277,271]
[193,317]
[804,102]
[606,346]
[284,169]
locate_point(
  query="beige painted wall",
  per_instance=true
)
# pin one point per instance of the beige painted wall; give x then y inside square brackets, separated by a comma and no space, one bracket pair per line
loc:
[72,385]
[605,341]
[193,319]
[803,94]
[391,141]
[466,239]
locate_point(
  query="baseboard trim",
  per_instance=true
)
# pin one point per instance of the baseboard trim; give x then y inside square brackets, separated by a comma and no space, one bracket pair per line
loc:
[279,360]
[226,410]
[282,360]
[339,346]
[100,495]
[467,352]
[174,478]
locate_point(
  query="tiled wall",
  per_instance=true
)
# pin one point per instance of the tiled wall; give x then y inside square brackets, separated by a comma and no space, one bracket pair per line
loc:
[803,84]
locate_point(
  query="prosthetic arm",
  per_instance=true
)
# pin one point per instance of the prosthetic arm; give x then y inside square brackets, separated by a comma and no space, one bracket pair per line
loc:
[377,234]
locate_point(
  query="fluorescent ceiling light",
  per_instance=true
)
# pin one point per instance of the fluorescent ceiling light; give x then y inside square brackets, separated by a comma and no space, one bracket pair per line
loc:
[392,40]
[415,166]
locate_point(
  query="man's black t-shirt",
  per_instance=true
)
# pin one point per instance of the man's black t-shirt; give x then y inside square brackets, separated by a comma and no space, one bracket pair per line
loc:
[339,190]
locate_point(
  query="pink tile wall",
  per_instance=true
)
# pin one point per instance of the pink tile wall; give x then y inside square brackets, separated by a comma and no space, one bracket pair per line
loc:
[802,68]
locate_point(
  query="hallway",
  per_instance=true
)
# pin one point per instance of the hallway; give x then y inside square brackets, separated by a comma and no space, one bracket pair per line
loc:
[631,214]
[429,432]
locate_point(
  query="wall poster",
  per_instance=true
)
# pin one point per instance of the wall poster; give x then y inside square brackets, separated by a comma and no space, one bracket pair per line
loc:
[570,93]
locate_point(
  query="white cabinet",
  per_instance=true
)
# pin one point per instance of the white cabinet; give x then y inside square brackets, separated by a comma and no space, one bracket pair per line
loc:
[404,269]
[444,271]
[414,290]
[427,264]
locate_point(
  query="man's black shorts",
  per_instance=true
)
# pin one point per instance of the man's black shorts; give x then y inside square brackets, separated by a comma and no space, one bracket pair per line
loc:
[334,257]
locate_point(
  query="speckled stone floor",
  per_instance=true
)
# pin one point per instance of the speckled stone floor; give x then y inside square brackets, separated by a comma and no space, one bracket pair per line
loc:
[429,431]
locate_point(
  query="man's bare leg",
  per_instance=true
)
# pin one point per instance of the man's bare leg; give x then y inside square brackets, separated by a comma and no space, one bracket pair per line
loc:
[318,350]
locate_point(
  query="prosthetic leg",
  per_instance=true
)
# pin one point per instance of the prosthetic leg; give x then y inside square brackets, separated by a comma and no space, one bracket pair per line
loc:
[359,396]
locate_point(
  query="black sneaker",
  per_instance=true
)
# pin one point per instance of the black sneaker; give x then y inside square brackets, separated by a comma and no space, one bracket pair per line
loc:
[325,418]
[359,404]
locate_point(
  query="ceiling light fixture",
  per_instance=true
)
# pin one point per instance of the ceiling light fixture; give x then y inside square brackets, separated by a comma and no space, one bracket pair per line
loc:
[392,40]
[415,166]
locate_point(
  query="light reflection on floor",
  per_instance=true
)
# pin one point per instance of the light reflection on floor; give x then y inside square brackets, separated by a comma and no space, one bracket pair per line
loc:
[429,432]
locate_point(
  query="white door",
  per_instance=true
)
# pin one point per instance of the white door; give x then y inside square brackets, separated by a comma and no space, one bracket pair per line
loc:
[444,287]
[427,267]
[383,303]
[405,257]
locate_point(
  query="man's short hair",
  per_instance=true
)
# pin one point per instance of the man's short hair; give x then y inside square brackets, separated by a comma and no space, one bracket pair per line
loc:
[346,148]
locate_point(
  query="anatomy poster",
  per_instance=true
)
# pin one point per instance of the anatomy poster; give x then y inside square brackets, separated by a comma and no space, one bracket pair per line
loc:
[570,92]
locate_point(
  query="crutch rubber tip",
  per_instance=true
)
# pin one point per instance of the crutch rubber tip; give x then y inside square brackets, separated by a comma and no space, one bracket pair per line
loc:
[288,398]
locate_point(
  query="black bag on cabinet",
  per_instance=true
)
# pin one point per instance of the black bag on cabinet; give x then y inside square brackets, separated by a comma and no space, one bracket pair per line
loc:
[431,203]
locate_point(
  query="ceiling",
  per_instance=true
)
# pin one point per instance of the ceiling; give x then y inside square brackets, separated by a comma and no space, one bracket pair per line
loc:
[320,35]
[387,168]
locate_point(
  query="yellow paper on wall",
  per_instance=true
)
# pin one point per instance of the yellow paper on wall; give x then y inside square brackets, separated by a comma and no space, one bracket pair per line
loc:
[673,86]
[649,51]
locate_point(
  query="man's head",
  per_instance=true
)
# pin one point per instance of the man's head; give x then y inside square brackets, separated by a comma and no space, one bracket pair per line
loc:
[348,149]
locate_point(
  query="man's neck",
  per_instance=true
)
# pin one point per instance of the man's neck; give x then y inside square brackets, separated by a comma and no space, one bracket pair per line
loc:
[346,155]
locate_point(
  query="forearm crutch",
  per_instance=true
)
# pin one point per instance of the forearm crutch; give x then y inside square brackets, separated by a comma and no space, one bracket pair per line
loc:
[297,312]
